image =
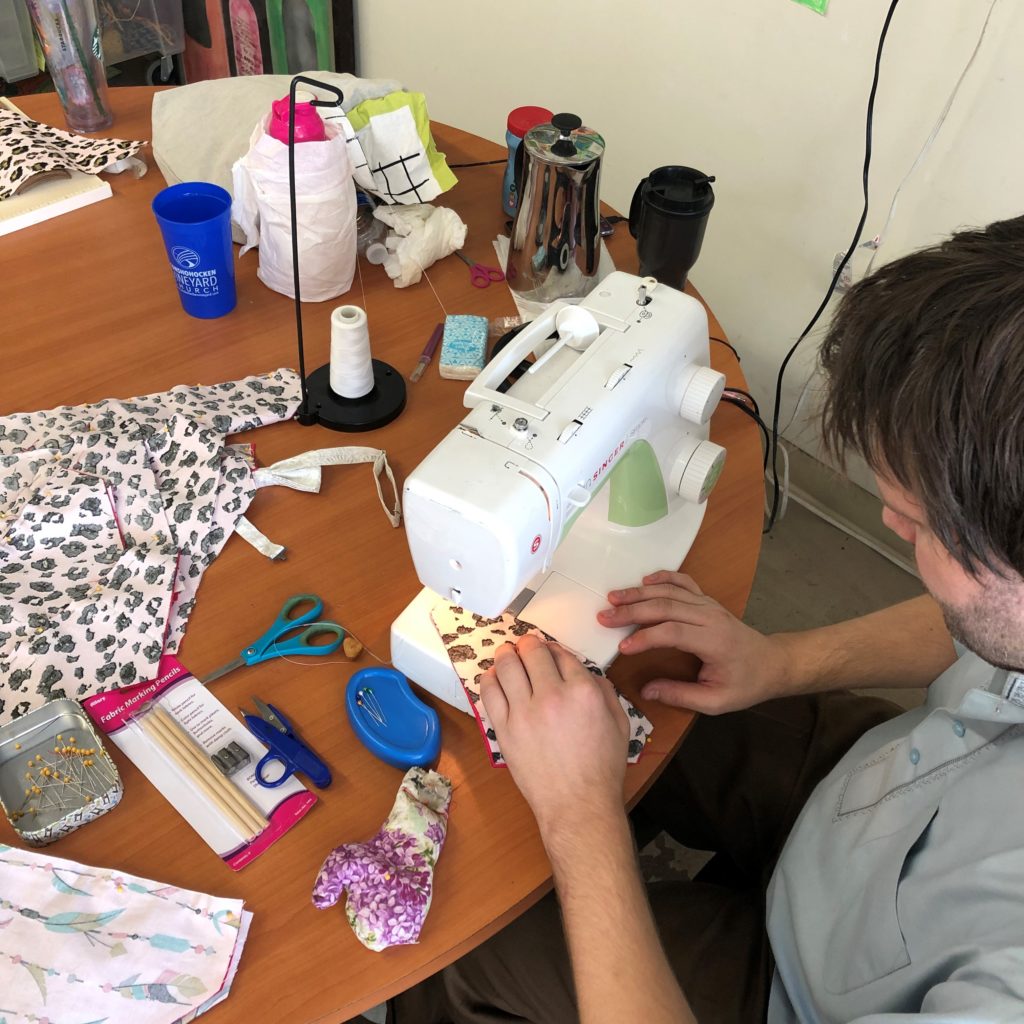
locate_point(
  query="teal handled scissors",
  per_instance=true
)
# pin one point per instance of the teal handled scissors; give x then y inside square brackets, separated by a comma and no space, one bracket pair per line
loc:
[273,643]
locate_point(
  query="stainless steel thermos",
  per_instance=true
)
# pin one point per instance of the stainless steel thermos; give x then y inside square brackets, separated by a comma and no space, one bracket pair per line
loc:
[556,240]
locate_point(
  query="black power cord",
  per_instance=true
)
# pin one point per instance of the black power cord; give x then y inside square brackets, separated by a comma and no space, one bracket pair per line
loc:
[478,163]
[751,401]
[745,408]
[730,347]
[868,128]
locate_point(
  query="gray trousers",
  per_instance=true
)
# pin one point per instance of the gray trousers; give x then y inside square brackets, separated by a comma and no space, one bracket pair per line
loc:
[735,788]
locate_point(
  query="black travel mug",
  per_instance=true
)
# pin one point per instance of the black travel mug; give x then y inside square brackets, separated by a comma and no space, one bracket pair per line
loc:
[667,217]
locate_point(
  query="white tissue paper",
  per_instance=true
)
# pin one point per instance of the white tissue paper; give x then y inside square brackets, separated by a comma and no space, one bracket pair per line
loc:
[325,201]
[421,235]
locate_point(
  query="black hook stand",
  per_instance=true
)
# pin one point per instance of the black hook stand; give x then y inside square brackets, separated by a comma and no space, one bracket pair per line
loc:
[320,404]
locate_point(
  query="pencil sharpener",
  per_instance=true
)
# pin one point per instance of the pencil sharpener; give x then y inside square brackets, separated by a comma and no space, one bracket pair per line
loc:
[55,774]
[231,759]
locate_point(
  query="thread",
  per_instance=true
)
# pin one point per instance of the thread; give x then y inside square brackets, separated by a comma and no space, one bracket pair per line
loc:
[434,290]
[351,372]
[362,288]
[380,253]
[426,277]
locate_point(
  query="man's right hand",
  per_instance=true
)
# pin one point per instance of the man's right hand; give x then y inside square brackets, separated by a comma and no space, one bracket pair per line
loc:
[741,667]
[563,734]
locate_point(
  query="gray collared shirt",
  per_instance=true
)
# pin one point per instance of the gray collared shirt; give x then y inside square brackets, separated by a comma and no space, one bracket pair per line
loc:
[900,892]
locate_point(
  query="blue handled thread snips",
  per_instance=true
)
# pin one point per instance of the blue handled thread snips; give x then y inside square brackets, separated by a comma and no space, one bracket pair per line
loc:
[273,643]
[275,732]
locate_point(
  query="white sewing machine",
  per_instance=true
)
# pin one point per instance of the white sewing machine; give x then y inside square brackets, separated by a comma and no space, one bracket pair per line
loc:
[590,471]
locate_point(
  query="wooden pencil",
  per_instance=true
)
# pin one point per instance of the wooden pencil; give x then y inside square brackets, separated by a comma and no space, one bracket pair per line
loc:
[197,757]
[157,736]
[175,743]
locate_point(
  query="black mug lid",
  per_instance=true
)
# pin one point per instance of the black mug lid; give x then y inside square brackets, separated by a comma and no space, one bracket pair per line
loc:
[677,189]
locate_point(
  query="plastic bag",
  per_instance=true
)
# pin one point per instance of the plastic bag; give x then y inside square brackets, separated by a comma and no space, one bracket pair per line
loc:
[325,202]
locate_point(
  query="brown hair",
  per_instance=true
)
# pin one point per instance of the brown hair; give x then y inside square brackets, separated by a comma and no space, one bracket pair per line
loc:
[925,366]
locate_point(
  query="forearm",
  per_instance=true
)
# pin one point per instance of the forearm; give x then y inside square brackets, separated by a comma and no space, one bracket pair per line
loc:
[906,645]
[619,965]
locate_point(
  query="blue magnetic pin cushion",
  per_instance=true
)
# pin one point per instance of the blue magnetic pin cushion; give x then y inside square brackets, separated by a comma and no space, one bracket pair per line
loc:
[410,731]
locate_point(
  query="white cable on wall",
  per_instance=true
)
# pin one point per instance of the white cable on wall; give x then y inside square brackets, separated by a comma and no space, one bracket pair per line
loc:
[880,238]
[784,504]
[351,371]
[928,142]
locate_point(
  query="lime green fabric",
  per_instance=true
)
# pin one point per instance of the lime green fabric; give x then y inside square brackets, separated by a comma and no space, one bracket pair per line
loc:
[359,117]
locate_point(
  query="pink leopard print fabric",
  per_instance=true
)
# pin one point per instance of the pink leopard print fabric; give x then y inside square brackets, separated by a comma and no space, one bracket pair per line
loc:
[471,640]
[109,515]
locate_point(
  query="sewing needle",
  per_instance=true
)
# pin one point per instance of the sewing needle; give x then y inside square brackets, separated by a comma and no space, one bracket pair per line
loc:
[427,354]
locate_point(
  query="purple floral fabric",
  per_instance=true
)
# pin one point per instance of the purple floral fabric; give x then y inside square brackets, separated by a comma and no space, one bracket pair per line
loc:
[389,879]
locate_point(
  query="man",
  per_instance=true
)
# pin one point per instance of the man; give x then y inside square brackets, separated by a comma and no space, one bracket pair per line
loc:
[889,847]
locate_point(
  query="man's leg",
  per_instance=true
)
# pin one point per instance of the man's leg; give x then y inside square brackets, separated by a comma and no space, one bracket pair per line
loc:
[736,787]
[714,938]
[740,780]
[521,974]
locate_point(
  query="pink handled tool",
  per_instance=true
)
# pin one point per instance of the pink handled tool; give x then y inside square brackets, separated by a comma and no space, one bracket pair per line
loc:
[479,274]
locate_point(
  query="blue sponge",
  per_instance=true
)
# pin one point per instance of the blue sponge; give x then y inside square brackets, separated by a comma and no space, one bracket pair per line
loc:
[465,342]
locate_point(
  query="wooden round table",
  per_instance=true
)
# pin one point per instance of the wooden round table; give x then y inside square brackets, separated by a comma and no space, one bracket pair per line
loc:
[90,311]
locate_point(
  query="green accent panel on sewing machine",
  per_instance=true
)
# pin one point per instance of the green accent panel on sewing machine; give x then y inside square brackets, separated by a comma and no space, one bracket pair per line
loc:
[637,495]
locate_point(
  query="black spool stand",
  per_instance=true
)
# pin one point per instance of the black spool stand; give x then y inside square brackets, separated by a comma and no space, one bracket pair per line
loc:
[319,403]
[380,406]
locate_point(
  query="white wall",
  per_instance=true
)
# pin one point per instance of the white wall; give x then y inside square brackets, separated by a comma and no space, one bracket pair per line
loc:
[766,95]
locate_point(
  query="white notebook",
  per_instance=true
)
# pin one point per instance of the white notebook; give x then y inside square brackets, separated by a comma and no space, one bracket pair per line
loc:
[50,198]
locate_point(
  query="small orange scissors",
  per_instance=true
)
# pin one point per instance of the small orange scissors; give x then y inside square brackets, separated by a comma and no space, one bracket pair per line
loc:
[480,275]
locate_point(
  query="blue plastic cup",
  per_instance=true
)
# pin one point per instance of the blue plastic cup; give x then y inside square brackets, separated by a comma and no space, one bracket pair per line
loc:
[195,220]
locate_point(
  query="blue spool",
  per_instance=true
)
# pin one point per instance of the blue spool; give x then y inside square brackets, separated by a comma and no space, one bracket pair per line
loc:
[404,732]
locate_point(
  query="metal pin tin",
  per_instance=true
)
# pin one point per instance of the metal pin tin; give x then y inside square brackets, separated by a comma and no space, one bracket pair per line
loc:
[33,742]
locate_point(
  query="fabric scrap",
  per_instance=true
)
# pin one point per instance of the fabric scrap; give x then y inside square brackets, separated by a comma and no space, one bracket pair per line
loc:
[302,473]
[29,149]
[79,943]
[389,879]
[259,540]
[471,641]
[109,515]
[402,161]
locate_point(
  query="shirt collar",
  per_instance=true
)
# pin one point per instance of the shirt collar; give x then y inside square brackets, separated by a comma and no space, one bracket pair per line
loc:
[979,690]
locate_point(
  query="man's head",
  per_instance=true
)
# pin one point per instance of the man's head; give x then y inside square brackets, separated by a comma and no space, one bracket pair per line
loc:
[925,361]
